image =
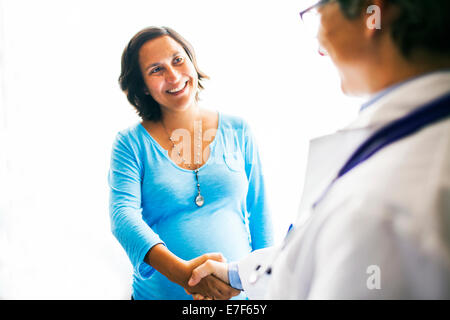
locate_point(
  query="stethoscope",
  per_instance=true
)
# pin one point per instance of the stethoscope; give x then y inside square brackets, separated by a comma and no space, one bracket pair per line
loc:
[418,119]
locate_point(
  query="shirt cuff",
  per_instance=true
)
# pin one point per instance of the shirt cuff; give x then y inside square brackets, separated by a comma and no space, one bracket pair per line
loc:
[233,276]
[144,270]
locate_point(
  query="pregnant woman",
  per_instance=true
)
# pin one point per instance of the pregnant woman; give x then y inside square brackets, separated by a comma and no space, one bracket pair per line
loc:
[184,181]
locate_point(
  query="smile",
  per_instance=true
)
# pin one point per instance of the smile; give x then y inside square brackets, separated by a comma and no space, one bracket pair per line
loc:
[179,90]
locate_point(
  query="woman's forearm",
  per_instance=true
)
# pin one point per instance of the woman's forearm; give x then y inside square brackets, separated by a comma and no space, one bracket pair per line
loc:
[168,264]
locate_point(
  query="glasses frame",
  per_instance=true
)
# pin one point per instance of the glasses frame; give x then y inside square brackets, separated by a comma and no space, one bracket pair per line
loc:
[314,6]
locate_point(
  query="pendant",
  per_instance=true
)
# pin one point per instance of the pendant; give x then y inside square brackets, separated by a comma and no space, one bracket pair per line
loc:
[199,200]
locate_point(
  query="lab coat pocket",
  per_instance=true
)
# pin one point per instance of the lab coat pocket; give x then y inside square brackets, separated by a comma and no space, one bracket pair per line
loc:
[234,161]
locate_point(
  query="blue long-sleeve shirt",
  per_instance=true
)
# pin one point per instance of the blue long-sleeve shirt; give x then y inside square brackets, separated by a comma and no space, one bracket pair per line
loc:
[152,201]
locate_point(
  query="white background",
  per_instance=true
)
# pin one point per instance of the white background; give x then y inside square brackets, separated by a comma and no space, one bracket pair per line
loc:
[61,106]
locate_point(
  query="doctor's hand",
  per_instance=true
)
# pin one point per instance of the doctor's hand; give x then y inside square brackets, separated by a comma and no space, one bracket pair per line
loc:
[209,285]
[215,268]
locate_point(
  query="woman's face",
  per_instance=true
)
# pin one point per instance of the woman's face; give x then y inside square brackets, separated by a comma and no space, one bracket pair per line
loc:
[168,73]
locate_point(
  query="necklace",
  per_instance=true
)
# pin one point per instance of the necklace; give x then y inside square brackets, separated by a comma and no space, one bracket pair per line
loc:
[199,200]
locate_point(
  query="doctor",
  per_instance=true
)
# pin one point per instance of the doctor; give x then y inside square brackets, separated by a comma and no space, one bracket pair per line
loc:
[374,220]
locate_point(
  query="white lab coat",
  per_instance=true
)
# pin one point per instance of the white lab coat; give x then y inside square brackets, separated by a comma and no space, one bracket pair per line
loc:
[383,229]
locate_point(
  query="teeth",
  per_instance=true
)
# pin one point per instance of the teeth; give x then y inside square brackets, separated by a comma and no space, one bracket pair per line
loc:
[177,89]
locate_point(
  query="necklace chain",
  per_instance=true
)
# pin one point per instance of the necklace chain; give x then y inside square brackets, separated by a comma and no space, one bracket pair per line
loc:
[199,200]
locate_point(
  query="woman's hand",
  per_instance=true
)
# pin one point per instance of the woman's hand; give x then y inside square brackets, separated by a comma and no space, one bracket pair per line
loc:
[207,286]
[179,271]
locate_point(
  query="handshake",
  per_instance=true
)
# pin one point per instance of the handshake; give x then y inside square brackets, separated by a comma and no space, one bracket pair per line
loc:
[209,278]
[205,277]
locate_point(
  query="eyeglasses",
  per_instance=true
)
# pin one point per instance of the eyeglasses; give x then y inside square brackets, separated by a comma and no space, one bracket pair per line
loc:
[311,19]
[312,10]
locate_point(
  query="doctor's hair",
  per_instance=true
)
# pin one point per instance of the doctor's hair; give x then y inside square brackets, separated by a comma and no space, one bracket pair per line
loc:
[131,80]
[420,25]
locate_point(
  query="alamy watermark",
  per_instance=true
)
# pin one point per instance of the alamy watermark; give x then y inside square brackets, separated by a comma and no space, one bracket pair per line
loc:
[374,280]
[374,20]
[184,141]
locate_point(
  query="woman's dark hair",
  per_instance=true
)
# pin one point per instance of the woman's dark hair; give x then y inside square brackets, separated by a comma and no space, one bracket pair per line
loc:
[131,80]
[421,24]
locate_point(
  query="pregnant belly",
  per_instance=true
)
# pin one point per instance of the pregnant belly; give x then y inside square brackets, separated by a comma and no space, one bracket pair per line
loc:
[191,235]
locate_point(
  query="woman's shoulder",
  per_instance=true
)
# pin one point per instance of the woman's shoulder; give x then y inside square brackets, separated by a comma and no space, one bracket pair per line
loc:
[132,130]
[234,122]
[131,135]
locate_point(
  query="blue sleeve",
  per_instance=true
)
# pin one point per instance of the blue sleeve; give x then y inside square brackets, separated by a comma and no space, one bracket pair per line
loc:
[125,210]
[260,223]
[233,276]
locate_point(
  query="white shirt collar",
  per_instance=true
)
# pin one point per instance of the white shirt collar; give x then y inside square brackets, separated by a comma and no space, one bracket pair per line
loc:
[401,99]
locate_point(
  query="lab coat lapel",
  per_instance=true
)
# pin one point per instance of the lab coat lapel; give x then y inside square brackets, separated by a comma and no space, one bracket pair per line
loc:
[326,157]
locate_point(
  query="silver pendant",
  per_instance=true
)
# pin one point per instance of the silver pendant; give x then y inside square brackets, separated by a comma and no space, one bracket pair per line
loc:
[199,200]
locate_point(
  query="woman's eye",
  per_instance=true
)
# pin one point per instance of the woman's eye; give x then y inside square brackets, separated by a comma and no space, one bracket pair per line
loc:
[178,60]
[155,70]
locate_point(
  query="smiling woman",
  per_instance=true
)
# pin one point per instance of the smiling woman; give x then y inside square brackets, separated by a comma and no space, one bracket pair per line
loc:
[135,72]
[172,80]
[169,209]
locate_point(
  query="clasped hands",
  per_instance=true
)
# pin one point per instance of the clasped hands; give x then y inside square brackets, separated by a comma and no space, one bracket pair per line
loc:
[209,278]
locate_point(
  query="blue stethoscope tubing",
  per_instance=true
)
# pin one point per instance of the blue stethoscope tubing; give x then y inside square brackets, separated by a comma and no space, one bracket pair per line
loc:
[420,118]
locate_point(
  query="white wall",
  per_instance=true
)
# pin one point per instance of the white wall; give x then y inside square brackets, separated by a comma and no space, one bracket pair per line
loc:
[61,107]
